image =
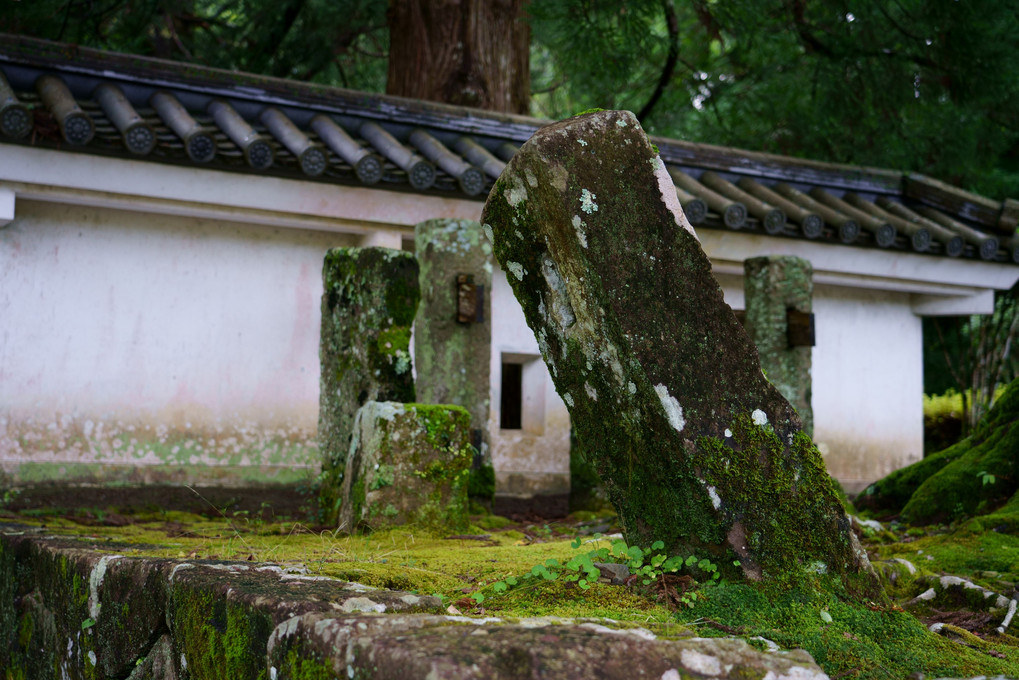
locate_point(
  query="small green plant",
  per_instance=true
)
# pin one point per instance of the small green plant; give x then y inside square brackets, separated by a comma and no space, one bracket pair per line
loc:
[986,477]
[9,496]
[649,568]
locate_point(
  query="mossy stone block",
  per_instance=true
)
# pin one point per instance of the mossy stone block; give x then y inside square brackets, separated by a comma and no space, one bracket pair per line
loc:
[452,356]
[369,300]
[408,464]
[773,285]
[695,446]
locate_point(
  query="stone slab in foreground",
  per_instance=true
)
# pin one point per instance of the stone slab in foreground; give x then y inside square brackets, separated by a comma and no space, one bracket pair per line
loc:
[664,387]
[70,612]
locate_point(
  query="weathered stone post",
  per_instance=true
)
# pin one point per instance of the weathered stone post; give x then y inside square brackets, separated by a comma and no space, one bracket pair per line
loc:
[407,464]
[695,446]
[453,328]
[369,299]
[779,292]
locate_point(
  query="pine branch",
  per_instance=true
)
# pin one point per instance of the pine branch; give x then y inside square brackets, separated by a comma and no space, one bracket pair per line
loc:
[670,61]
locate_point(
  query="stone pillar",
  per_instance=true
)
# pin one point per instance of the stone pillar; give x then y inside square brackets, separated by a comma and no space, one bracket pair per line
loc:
[407,464]
[369,299]
[453,329]
[695,448]
[778,287]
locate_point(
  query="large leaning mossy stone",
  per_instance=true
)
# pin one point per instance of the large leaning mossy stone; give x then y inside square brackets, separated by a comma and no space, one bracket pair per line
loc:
[453,355]
[773,285]
[408,464]
[369,299]
[696,448]
[974,476]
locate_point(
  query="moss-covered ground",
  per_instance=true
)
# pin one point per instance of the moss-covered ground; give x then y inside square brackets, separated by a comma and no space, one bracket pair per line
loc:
[848,640]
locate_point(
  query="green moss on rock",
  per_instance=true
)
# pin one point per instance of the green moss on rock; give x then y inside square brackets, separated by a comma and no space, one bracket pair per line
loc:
[409,464]
[972,477]
[694,446]
[369,300]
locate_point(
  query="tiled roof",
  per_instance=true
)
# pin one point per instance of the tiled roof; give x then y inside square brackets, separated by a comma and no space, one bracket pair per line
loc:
[79,100]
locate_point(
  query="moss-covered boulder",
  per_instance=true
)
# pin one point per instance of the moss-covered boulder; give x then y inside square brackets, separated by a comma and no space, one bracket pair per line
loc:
[664,387]
[408,464]
[973,477]
[369,299]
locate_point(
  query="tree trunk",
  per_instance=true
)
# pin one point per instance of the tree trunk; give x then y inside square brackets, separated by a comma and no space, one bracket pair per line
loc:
[466,52]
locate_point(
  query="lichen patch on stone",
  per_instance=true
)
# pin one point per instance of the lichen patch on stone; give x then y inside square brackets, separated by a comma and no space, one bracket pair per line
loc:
[587,203]
[562,309]
[95,580]
[698,662]
[759,417]
[362,604]
[716,501]
[578,226]
[673,411]
[516,269]
[517,192]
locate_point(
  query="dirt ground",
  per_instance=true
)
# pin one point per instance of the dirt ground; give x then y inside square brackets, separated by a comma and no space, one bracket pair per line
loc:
[107,502]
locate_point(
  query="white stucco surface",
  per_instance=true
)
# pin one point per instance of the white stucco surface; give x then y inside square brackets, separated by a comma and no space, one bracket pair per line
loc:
[868,383]
[147,339]
[536,458]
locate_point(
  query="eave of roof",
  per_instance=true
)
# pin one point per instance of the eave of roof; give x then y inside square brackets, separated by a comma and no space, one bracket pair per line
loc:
[464,150]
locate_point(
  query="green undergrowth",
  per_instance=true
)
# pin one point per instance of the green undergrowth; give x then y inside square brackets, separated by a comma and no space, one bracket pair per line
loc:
[846,638]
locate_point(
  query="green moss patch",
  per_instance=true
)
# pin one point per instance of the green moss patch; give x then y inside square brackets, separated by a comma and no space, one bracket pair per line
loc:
[972,477]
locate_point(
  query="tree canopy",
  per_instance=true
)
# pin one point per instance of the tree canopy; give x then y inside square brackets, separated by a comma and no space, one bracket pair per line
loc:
[923,85]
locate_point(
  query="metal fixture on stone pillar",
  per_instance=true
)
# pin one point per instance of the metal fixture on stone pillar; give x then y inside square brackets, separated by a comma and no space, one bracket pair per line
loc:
[779,292]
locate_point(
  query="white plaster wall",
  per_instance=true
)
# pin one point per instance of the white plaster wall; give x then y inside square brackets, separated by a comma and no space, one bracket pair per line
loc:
[129,338]
[867,379]
[868,383]
[534,460]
